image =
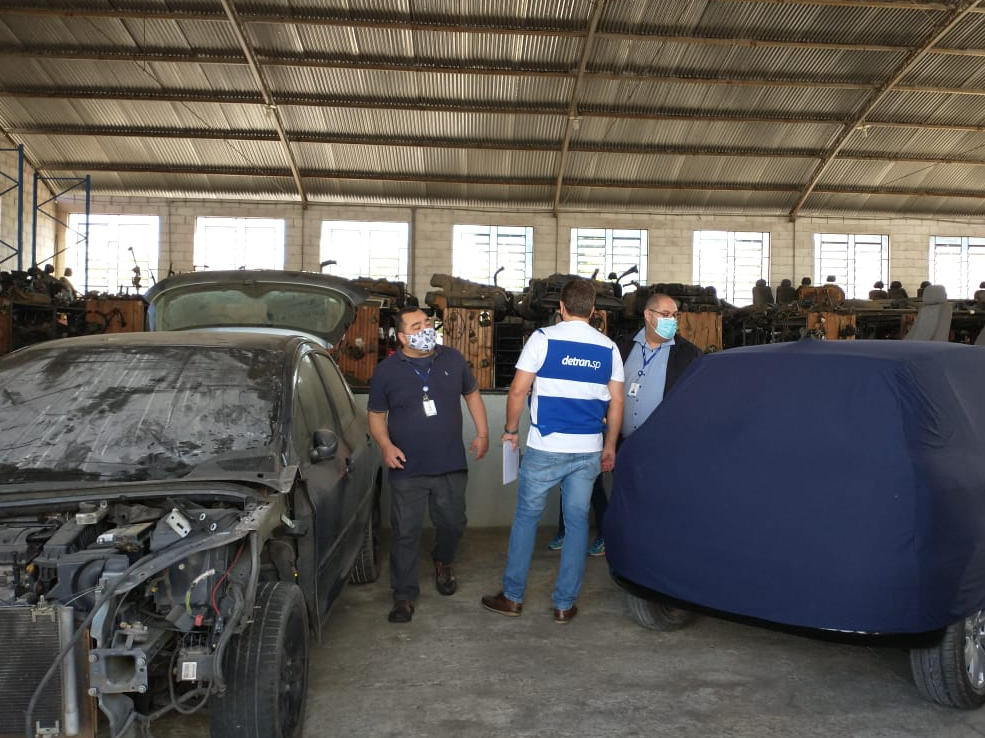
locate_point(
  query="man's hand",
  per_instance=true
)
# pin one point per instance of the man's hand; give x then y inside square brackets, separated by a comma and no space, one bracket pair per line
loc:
[479,447]
[608,459]
[393,457]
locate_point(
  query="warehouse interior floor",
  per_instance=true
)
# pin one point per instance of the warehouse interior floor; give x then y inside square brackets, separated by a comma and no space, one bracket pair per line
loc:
[459,670]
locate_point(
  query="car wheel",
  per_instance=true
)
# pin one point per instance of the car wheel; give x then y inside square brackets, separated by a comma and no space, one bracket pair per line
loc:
[367,566]
[952,673]
[657,615]
[266,670]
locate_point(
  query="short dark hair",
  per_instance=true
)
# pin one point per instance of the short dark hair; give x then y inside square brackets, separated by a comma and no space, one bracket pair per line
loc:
[578,297]
[405,311]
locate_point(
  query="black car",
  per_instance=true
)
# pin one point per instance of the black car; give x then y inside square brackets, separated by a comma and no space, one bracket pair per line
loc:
[178,513]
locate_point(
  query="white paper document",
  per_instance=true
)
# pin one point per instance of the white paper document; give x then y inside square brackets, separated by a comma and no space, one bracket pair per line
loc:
[511,462]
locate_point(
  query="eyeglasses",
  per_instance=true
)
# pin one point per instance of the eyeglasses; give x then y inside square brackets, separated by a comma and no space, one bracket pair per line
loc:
[664,313]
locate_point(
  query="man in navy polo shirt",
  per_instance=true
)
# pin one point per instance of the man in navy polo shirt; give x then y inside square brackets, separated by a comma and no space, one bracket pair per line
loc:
[415,415]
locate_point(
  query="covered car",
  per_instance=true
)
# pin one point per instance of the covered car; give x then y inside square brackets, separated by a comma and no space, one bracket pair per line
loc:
[835,485]
[178,513]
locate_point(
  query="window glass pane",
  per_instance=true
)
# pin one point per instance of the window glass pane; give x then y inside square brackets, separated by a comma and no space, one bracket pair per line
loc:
[489,254]
[365,249]
[958,263]
[731,262]
[338,389]
[602,251]
[117,245]
[312,411]
[857,261]
[239,243]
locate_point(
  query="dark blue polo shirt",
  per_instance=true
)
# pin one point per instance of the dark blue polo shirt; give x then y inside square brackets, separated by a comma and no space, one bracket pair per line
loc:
[432,444]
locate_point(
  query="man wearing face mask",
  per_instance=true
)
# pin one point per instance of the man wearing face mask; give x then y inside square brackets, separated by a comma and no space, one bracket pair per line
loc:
[415,415]
[653,361]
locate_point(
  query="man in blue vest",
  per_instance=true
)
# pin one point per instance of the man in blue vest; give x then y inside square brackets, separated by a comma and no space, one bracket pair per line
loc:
[573,376]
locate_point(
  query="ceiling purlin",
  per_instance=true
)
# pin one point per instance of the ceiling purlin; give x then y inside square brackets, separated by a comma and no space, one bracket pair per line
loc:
[414,177]
[487,145]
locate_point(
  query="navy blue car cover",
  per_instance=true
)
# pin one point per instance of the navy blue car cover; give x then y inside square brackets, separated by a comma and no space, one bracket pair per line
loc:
[824,484]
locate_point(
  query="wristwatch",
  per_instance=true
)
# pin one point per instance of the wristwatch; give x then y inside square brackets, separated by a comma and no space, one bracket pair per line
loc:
[509,432]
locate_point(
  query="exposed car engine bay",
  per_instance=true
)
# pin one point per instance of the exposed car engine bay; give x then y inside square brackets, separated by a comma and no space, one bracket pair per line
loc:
[146,595]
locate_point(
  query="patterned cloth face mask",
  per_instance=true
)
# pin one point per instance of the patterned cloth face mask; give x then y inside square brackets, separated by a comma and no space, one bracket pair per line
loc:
[425,340]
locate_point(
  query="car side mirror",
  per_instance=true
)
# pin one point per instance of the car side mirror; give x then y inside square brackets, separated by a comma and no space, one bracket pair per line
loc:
[326,446]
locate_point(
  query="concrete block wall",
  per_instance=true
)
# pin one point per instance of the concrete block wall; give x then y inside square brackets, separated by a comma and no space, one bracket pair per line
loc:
[669,235]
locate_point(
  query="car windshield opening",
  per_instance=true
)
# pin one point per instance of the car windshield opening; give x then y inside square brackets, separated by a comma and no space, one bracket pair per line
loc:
[125,414]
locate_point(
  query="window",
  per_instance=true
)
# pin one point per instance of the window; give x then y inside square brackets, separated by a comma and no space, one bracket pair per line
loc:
[602,251]
[479,252]
[337,388]
[363,249]
[118,244]
[731,262]
[312,410]
[239,243]
[856,261]
[958,263]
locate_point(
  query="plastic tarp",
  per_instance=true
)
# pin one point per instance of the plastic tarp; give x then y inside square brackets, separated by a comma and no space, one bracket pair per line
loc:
[822,484]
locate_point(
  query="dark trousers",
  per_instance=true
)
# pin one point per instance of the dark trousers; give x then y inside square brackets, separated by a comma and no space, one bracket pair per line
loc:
[600,503]
[443,496]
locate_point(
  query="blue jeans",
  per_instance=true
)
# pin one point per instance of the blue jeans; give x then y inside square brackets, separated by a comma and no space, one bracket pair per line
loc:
[600,503]
[540,472]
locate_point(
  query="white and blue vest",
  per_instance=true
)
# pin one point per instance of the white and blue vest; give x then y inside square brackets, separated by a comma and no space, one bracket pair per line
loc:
[570,395]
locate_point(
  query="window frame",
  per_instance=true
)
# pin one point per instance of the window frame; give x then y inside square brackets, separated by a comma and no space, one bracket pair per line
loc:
[614,257]
[369,268]
[730,282]
[467,237]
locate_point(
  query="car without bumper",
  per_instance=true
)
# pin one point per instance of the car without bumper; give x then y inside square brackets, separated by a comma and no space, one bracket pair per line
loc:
[178,513]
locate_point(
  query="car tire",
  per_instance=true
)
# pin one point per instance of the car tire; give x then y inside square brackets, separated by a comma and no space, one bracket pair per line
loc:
[266,670]
[367,566]
[952,673]
[657,615]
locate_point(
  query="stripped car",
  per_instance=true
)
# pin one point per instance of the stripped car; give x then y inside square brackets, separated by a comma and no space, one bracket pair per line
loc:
[178,513]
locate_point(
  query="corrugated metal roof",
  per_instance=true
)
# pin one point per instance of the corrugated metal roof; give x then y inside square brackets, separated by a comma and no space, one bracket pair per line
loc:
[664,105]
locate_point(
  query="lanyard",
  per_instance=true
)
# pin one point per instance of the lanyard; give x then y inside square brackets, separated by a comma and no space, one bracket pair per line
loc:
[647,361]
[424,377]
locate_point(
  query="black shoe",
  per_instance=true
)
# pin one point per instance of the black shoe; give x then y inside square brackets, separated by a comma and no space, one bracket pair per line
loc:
[402,612]
[444,578]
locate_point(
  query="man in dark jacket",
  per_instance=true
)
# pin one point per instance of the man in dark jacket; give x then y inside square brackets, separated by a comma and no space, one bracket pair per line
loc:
[654,360]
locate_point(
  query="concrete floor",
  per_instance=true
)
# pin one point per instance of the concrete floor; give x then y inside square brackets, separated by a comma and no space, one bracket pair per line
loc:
[458,670]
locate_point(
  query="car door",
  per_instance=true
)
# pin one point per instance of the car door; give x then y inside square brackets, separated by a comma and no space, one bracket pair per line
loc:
[361,459]
[327,479]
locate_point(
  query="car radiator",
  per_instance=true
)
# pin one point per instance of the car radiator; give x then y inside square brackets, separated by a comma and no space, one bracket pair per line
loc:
[32,639]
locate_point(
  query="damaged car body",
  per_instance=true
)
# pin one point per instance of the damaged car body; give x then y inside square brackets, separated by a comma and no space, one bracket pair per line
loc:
[178,513]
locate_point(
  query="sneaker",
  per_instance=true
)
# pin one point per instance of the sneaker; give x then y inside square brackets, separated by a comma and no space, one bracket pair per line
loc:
[597,548]
[557,543]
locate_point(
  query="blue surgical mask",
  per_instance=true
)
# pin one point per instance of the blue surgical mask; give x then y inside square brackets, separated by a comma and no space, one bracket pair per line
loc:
[424,341]
[666,327]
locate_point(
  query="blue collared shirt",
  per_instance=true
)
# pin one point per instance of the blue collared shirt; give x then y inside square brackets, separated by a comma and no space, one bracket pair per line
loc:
[647,369]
